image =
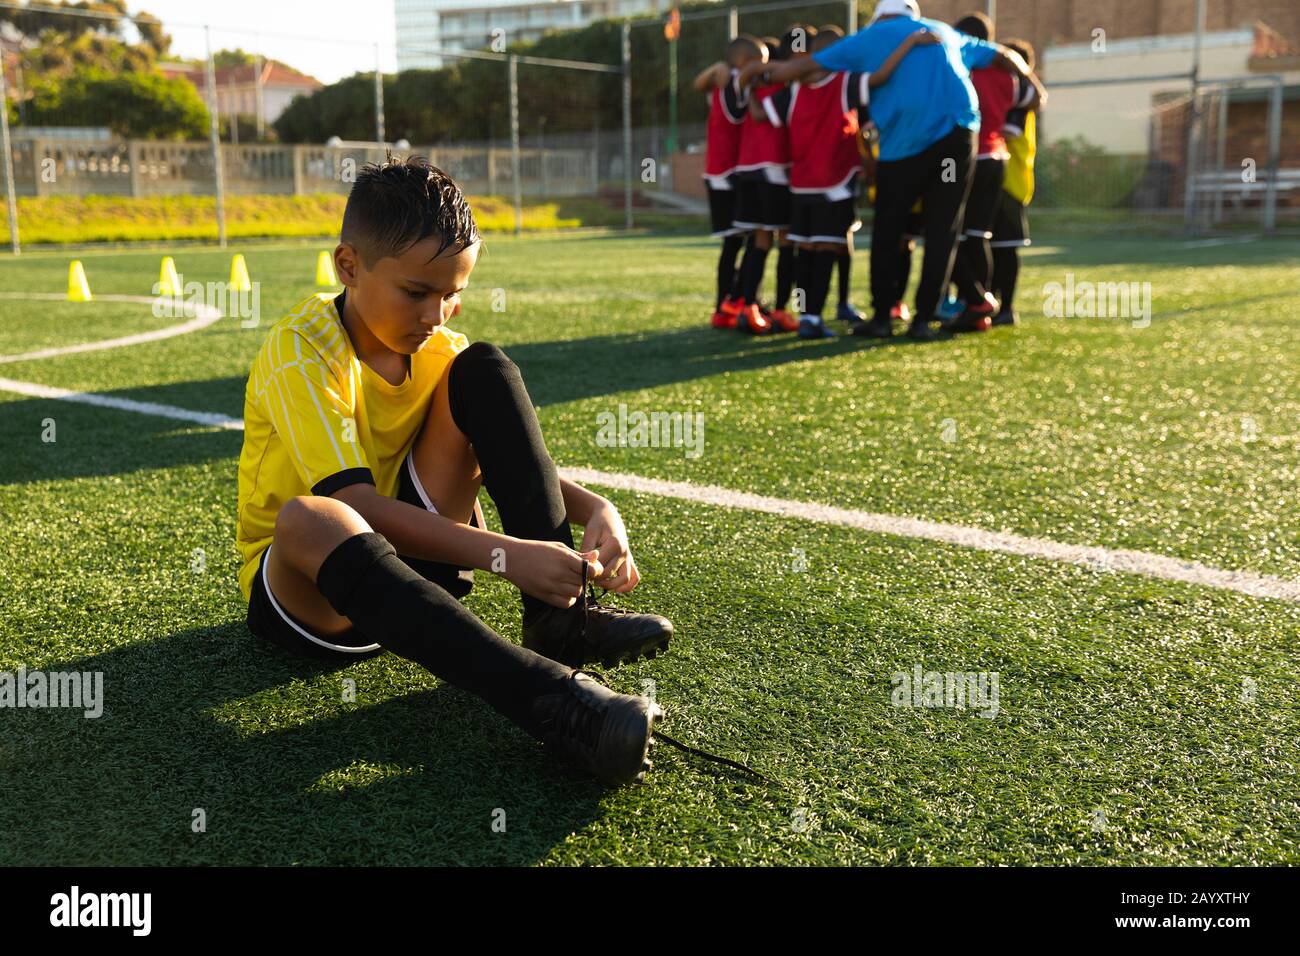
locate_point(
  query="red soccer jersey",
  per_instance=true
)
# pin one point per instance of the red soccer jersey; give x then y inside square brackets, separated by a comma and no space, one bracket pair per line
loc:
[999,92]
[763,145]
[822,121]
[726,117]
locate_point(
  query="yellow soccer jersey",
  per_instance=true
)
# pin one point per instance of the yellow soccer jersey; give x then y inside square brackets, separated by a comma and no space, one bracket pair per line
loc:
[1019,180]
[317,418]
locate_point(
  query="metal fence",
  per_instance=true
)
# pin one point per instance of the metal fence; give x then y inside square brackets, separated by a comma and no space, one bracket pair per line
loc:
[525,148]
[1147,149]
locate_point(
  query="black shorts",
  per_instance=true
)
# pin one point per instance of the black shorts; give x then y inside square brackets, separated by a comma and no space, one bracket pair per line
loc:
[814,218]
[761,204]
[985,194]
[1011,223]
[722,207]
[268,619]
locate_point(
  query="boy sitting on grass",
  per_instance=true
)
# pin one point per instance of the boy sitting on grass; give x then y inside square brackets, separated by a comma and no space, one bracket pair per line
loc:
[369,428]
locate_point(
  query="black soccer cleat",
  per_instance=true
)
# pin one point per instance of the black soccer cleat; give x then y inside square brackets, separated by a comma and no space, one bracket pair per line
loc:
[590,631]
[877,328]
[920,331]
[606,733]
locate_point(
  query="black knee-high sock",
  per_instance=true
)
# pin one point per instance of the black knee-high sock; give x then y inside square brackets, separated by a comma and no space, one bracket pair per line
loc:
[1006,270]
[845,262]
[738,280]
[751,278]
[803,267]
[965,275]
[819,280]
[388,602]
[904,272]
[731,246]
[784,275]
[490,405]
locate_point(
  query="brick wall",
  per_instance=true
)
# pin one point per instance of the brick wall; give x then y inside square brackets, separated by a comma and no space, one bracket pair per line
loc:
[1072,21]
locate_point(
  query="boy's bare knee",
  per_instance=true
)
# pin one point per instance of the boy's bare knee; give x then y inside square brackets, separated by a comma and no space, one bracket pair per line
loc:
[312,525]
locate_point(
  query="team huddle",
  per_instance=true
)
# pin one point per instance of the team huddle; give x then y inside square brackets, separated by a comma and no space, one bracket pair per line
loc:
[799,125]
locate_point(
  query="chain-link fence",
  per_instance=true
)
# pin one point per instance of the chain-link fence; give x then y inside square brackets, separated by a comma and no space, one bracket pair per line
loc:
[1145,149]
[109,136]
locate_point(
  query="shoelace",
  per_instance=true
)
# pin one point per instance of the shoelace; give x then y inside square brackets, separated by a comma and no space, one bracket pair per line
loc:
[591,599]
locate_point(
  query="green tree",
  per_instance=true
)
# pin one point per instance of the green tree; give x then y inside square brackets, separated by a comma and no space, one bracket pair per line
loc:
[133,105]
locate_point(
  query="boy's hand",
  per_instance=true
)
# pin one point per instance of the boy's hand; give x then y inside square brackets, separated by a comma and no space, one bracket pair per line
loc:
[750,73]
[549,571]
[606,535]
[924,37]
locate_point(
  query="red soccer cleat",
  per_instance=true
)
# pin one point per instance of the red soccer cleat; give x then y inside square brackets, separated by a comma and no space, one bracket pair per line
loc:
[751,320]
[783,321]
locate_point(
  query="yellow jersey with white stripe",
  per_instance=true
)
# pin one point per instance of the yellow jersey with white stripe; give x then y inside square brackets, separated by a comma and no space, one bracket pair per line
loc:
[317,418]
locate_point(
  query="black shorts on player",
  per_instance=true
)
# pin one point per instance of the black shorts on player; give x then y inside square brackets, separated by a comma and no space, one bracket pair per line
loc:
[268,619]
[814,218]
[761,204]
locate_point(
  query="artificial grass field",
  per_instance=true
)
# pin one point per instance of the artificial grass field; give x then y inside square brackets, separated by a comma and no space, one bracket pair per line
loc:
[1121,697]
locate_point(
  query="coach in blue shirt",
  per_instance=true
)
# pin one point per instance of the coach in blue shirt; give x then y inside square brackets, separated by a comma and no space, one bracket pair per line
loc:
[928,117]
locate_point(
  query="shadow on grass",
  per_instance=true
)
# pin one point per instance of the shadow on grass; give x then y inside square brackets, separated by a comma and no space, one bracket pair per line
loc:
[93,441]
[123,788]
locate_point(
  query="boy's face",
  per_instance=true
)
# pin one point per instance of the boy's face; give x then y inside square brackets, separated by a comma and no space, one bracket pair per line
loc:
[402,300]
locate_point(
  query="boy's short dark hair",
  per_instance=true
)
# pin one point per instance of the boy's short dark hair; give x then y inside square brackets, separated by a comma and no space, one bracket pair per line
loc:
[744,46]
[825,37]
[773,48]
[977,25]
[397,203]
[1023,47]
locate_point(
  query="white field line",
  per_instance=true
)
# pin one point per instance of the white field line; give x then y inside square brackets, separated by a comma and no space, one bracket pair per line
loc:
[1107,559]
[1131,562]
[34,390]
[204,315]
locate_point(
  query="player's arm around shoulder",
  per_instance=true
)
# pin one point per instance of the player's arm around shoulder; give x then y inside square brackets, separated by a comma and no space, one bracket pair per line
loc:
[922,37]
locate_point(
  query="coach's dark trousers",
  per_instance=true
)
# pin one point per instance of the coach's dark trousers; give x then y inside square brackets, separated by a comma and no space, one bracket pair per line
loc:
[940,177]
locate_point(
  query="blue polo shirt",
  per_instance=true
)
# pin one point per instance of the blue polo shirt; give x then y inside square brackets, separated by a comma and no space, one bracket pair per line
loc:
[928,94]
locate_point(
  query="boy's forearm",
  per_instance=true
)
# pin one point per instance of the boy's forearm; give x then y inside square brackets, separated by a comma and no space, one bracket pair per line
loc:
[1011,61]
[787,71]
[708,77]
[887,68]
[417,533]
[579,503]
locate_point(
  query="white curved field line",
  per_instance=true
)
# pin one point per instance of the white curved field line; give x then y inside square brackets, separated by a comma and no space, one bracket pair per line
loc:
[204,315]
[1102,559]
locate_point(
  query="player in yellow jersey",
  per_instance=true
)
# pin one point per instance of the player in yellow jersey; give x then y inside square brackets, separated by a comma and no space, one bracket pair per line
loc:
[1011,223]
[370,427]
